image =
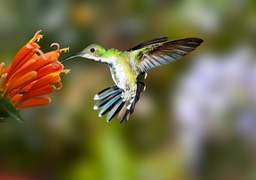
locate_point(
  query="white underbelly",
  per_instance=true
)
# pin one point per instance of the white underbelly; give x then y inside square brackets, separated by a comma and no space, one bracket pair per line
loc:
[119,77]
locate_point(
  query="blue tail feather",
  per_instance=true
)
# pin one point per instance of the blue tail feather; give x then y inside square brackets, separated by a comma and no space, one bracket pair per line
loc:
[123,114]
[111,102]
[106,99]
[109,105]
[106,92]
[115,110]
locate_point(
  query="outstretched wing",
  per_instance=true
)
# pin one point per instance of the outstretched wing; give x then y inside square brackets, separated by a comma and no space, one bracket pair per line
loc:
[158,52]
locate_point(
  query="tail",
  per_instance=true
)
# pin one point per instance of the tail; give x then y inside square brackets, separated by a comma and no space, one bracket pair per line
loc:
[110,101]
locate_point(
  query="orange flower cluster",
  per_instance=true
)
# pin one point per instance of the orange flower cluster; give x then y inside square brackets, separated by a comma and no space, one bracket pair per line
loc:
[31,75]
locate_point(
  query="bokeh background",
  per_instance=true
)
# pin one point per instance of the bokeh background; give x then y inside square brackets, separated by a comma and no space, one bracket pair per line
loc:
[196,120]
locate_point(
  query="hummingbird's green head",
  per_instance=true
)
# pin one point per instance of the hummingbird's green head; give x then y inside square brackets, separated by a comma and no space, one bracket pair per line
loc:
[94,51]
[99,53]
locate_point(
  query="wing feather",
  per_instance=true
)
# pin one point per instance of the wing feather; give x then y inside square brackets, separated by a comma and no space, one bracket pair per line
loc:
[146,43]
[158,51]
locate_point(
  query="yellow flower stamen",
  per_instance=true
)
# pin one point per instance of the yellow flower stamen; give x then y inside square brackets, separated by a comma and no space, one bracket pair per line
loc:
[58,48]
[64,50]
[37,37]
[66,71]
[56,44]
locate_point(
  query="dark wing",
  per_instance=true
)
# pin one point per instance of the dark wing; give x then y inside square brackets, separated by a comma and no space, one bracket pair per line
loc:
[160,53]
[146,43]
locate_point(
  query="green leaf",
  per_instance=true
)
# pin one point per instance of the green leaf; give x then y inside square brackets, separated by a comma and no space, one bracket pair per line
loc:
[8,109]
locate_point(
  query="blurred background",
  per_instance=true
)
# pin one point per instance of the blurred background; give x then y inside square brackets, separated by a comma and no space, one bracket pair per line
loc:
[196,120]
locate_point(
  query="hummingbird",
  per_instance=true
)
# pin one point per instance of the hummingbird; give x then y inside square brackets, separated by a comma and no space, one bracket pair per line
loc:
[129,70]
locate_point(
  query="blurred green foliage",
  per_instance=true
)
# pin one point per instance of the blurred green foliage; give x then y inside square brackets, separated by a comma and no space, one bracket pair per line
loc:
[66,139]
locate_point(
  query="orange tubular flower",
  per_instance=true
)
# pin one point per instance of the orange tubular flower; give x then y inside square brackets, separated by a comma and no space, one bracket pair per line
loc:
[31,75]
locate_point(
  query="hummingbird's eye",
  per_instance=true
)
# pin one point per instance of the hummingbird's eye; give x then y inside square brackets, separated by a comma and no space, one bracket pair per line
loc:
[92,50]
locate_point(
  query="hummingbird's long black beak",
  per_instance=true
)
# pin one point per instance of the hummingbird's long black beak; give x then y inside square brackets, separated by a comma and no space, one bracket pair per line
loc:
[71,57]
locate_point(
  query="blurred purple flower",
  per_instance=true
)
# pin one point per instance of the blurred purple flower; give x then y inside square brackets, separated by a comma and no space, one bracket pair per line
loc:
[216,96]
